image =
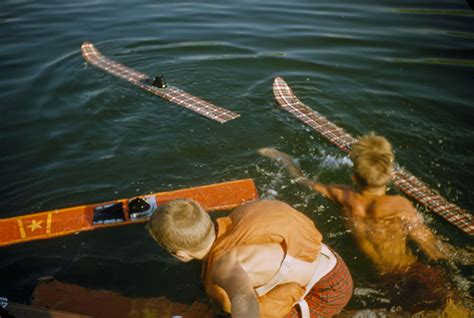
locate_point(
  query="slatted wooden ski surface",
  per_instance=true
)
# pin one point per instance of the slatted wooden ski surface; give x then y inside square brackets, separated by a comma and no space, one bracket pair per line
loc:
[170,93]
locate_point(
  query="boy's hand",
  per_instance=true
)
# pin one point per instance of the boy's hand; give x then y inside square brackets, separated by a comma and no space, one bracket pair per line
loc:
[287,162]
[274,154]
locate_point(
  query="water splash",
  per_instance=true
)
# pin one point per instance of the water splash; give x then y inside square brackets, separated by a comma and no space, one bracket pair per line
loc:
[335,162]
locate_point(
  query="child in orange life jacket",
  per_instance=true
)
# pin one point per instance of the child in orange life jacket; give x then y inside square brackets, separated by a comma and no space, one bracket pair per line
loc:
[260,261]
[382,224]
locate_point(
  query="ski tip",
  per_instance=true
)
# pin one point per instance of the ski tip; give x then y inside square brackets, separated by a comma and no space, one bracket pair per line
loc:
[86,44]
[280,85]
[278,81]
[87,50]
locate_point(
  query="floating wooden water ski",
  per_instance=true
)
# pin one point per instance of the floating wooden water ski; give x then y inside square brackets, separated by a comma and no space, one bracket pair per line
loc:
[403,179]
[170,93]
[60,222]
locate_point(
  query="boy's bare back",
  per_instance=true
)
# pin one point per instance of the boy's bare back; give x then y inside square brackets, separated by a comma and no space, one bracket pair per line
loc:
[381,224]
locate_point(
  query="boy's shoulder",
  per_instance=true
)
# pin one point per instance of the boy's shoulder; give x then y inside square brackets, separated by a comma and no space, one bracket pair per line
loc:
[398,199]
[392,205]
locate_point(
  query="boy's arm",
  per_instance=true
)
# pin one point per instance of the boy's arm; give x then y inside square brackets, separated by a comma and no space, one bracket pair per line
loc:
[229,274]
[431,245]
[337,193]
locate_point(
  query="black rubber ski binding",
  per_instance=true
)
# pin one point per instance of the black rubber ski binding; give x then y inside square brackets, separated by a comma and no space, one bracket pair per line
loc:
[159,81]
[109,213]
[141,208]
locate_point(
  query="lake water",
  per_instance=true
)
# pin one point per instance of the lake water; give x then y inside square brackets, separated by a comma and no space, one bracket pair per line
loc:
[72,134]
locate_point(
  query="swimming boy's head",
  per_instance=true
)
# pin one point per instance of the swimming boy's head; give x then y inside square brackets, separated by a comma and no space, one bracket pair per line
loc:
[372,156]
[183,228]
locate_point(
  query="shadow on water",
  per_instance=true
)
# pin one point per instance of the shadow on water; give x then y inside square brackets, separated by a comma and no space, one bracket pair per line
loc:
[82,260]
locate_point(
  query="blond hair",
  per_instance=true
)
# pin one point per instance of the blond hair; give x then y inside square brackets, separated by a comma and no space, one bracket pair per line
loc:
[372,156]
[181,224]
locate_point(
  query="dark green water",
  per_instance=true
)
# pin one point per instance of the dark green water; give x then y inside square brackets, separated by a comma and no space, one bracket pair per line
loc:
[72,134]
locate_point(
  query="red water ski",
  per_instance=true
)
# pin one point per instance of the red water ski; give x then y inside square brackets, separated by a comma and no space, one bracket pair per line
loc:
[66,221]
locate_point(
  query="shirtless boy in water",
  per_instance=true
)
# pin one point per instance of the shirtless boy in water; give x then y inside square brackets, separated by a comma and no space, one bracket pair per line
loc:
[260,261]
[382,224]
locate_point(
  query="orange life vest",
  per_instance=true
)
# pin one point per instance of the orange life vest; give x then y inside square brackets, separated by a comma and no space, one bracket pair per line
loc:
[261,222]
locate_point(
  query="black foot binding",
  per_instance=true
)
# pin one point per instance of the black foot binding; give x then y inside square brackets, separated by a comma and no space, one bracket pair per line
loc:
[141,208]
[110,213]
[159,82]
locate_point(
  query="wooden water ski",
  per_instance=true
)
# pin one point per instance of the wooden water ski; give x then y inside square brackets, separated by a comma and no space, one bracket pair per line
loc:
[402,178]
[170,93]
[61,222]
